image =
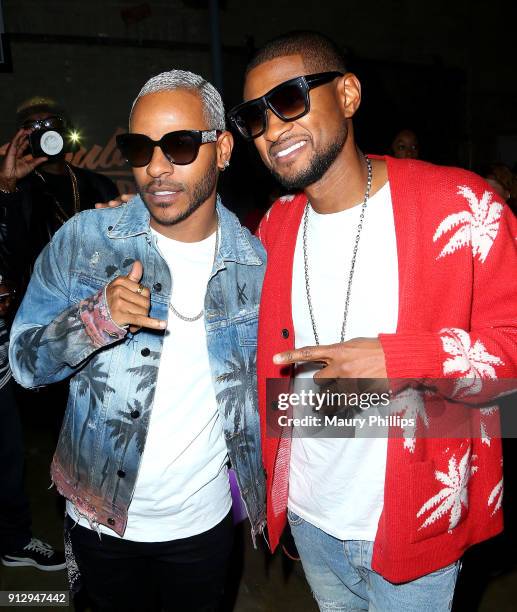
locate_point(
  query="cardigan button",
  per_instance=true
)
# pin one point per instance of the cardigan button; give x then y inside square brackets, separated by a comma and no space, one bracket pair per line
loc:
[145,352]
[135,414]
[157,287]
[121,474]
[111,521]
[110,227]
[285,333]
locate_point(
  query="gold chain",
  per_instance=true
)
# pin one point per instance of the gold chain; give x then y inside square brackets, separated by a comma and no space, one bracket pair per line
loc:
[77,201]
[61,214]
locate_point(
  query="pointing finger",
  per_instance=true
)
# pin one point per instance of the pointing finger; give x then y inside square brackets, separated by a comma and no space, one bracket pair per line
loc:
[304,354]
[148,322]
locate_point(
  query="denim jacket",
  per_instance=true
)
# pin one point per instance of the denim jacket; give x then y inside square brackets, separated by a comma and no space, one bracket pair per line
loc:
[63,329]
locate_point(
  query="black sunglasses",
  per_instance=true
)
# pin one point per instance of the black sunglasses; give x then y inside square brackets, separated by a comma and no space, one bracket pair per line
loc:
[289,101]
[53,123]
[180,147]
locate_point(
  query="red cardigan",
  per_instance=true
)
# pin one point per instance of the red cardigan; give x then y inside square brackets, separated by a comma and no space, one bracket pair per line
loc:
[457,261]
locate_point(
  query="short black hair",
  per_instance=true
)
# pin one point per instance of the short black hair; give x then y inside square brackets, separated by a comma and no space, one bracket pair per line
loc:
[319,52]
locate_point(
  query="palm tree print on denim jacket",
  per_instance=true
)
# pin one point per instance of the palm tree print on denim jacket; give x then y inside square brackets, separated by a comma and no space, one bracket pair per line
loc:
[63,329]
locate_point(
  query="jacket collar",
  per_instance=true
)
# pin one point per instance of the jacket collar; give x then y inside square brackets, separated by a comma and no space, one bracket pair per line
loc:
[235,240]
[235,243]
[133,220]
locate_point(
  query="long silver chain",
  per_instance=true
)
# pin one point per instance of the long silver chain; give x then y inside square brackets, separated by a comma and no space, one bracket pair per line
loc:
[198,316]
[352,265]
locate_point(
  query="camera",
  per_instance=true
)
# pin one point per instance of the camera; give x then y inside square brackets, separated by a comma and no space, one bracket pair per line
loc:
[46,139]
[46,143]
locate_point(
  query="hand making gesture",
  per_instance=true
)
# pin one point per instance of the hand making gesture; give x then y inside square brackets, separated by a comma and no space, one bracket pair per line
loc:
[16,164]
[129,301]
[357,358]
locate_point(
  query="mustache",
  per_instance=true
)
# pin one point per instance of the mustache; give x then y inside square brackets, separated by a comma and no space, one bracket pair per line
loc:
[159,185]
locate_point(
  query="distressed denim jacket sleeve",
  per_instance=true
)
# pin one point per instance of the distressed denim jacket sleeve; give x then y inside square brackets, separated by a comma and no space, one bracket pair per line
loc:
[50,336]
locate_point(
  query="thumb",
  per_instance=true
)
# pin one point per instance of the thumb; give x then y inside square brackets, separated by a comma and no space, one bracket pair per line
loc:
[136,272]
[35,162]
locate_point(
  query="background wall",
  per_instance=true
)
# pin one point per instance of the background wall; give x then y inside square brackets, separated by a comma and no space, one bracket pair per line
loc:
[443,67]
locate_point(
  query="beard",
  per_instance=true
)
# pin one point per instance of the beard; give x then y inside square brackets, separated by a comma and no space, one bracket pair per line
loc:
[199,194]
[318,165]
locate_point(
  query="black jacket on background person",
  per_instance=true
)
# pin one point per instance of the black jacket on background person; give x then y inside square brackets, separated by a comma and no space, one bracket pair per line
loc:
[31,215]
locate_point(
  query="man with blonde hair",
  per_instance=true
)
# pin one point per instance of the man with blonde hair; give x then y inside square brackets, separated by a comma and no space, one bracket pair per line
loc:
[151,309]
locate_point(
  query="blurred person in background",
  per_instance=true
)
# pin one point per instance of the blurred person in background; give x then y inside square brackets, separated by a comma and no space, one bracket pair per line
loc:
[39,189]
[17,545]
[405,145]
[502,180]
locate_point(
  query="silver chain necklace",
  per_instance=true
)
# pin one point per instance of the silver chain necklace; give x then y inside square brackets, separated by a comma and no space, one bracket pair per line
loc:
[352,265]
[198,316]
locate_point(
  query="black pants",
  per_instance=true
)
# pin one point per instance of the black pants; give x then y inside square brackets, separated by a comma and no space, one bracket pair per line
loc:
[185,575]
[15,517]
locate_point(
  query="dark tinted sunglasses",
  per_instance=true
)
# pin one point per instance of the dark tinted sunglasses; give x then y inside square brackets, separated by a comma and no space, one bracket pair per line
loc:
[50,123]
[289,101]
[180,147]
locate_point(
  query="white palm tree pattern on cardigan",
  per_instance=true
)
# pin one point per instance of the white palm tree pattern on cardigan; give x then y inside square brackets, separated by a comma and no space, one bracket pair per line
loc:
[285,199]
[496,497]
[478,226]
[471,360]
[410,405]
[454,495]
[486,412]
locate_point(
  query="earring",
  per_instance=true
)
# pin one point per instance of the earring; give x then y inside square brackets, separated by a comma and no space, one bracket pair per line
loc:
[225,165]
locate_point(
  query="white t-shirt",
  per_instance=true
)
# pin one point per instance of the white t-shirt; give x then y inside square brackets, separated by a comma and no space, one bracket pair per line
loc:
[338,484]
[182,486]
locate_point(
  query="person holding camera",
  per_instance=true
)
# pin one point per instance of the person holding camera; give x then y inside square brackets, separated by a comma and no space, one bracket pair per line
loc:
[39,192]
[39,189]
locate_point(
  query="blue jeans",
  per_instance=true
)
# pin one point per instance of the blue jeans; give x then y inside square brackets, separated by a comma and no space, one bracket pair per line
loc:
[342,580]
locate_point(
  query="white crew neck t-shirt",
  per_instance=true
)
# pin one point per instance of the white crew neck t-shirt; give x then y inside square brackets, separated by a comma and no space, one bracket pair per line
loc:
[337,484]
[182,487]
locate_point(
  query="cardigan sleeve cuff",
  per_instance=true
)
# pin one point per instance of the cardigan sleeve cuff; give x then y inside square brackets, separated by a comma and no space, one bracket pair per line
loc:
[412,355]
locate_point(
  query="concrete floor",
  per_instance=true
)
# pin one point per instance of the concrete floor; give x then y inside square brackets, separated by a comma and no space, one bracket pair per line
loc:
[262,583]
